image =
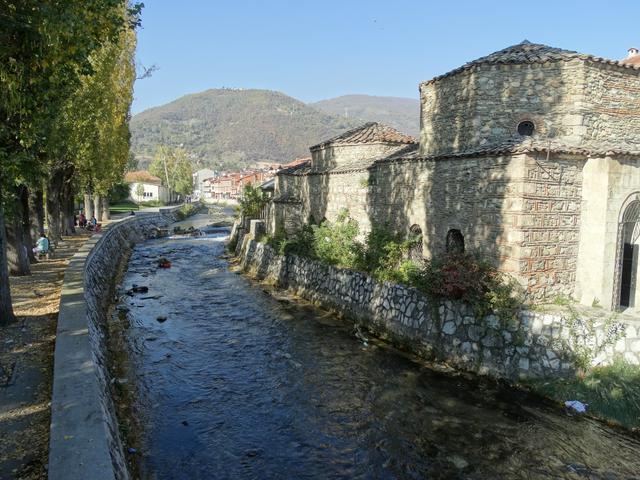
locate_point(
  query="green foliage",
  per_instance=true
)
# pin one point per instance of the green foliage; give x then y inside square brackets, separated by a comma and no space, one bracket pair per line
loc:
[562,300]
[187,210]
[612,392]
[173,167]
[119,193]
[228,129]
[385,255]
[46,50]
[253,201]
[123,207]
[469,278]
[66,78]
[152,203]
[336,243]
[140,192]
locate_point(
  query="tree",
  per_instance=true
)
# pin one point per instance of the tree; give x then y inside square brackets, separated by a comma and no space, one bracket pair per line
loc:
[253,201]
[46,47]
[140,192]
[174,168]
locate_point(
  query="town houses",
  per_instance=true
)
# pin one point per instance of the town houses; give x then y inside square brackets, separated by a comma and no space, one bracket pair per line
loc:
[229,186]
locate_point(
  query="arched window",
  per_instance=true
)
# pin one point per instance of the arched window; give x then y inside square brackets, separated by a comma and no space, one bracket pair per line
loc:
[526,128]
[455,241]
[415,234]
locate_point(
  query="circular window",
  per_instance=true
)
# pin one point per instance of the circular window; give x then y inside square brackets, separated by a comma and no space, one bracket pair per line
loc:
[526,128]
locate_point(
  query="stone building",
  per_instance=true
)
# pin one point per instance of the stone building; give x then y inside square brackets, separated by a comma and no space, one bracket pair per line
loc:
[530,155]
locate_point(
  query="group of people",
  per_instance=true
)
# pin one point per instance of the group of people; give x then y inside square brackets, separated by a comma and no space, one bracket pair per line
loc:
[90,224]
[42,244]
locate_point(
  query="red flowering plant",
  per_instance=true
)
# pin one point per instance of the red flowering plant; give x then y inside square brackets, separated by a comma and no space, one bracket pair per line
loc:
[469,278]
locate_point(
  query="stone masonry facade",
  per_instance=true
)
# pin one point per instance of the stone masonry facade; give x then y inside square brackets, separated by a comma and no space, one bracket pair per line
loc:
[536,344]
[531,153]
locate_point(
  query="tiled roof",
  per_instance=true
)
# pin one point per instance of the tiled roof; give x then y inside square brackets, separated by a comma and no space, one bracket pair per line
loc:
[141,176]
[371,132]
[296,162]
[527,52]
[291,168]
[511,147]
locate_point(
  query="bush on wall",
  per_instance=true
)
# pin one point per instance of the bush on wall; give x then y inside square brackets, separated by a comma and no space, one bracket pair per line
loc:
[385,256]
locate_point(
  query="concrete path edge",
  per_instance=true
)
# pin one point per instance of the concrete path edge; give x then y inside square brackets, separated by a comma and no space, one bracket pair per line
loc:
[81,444]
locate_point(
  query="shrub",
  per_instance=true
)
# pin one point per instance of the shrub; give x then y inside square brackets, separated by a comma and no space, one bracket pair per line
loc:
[385,255]
[252,202]
[187,210]
[336,244]
[466,277]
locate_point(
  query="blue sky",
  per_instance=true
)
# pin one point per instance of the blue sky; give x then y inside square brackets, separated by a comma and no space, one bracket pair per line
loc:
[320,49]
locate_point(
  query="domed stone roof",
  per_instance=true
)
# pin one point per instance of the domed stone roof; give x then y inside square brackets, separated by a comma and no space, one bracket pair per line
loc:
[526,52]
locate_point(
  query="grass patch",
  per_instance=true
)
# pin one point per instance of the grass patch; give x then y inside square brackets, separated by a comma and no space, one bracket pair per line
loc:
[123,207]
[152,203]
[612,392]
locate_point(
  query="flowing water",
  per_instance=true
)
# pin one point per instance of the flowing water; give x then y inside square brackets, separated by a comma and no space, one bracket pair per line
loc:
[238,384]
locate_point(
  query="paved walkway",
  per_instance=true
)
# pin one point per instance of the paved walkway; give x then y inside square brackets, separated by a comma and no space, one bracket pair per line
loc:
[26,365]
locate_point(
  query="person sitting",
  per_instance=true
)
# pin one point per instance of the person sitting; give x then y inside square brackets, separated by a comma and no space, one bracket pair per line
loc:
[82,220]
[92,223]
[42,245]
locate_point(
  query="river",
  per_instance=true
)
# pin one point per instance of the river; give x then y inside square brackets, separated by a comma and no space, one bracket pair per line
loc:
[239,384]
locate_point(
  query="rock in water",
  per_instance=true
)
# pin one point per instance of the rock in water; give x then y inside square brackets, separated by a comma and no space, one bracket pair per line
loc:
[161,319]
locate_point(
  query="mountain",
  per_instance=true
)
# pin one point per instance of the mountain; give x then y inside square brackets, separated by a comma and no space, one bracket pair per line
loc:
[400,113]
[232,128]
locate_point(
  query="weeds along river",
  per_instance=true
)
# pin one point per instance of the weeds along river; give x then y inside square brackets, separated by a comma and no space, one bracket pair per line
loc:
[236,384]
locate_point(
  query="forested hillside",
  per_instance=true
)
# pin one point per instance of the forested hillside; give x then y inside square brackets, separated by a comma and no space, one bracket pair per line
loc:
[400,113]
[227,128]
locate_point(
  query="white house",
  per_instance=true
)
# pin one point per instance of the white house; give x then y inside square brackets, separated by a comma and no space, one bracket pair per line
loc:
[152,188]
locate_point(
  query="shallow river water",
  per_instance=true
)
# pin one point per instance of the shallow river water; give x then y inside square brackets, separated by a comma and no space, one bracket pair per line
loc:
[238,384]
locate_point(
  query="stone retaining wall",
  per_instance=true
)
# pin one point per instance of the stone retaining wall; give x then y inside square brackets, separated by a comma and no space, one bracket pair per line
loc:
[84,440]
[536,344]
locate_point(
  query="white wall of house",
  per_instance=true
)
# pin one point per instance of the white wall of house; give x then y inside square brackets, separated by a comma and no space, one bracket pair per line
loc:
[151,193]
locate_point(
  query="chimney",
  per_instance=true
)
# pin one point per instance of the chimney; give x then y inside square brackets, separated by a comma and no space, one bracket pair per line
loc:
[632,52]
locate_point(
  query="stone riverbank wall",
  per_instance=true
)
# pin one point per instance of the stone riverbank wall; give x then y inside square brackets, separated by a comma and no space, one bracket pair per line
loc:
[535,344]
[85,441]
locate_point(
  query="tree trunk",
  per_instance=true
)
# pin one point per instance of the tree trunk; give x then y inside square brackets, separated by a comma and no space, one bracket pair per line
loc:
[88,206]
[67,204]
[105,209]
[17,255]
[23,193]
[6,309]
[36,209]
[54,193]
[97,199]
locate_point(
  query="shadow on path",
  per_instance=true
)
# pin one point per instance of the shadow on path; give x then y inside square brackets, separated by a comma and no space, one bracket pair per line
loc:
[26,365]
